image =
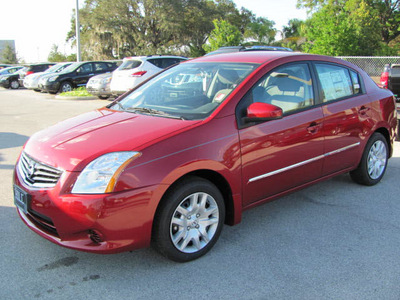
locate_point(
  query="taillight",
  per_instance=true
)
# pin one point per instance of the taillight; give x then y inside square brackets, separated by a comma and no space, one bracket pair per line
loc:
[385,79]
[29,72]
[138,74]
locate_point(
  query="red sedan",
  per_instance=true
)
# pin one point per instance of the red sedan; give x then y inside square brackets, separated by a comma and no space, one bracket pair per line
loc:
[192,148]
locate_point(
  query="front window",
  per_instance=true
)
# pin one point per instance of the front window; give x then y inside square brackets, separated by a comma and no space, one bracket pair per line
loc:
[188,91]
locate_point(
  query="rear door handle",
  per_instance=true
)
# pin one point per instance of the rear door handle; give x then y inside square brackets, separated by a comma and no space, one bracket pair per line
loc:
[363,110]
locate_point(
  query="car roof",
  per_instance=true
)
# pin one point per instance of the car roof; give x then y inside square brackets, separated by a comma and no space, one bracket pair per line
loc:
[153,56]
[258,57]
[262,57]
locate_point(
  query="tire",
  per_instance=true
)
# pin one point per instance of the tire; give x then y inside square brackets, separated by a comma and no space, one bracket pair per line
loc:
[14,84]
[103,97]
[189,220]
[65,87]
[373,161]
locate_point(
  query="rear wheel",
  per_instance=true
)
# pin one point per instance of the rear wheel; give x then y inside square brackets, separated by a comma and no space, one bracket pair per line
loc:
[373,162]
[103,97]
[14,84]
[189,220]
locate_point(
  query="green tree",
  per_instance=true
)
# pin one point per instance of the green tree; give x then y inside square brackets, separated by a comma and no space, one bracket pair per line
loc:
[120,28]
[57,56]
[224,34]
[262,30]
[8,55]
[343,28]
[386,12]
[293,29]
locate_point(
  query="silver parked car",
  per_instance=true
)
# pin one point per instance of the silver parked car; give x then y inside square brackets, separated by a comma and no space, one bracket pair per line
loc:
[99,86]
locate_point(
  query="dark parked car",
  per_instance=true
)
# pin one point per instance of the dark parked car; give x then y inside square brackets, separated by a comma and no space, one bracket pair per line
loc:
[11,80]
[2,66]
[77,74]
[34,68]
[169,163]
[390,78]
[10,70]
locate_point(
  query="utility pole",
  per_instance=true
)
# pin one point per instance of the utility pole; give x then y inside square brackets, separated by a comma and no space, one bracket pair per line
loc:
[77,30]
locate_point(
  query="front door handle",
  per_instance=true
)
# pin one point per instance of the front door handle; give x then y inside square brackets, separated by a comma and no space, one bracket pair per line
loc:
[313,128]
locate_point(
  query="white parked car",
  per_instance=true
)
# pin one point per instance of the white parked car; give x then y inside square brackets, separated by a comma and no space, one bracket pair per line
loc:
[31,81]
[135,70]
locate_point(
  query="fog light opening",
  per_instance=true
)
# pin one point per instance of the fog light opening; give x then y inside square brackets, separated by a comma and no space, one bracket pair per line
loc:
[95,236]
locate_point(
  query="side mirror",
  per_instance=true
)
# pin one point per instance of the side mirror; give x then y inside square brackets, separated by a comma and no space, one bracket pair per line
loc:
[260,112]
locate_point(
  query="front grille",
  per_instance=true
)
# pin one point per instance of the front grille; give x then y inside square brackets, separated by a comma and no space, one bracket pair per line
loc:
[37,174]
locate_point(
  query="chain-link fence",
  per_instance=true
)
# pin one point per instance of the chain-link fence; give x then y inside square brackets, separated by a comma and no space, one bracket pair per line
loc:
[373,65]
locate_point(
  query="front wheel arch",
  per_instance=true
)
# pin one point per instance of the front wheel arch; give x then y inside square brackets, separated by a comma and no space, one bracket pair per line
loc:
[224,187]
[177,225]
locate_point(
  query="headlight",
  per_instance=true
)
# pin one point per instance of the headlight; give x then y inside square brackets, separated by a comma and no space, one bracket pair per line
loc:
[100,176]
[107,80]
[51,79]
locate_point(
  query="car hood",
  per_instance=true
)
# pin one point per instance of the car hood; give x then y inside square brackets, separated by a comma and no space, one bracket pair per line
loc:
[70,145]
[102,76]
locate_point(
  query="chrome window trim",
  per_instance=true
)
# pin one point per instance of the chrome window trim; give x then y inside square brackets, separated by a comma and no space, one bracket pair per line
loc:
[302,163]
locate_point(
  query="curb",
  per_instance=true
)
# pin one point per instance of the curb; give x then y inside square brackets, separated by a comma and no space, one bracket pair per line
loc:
[75,98]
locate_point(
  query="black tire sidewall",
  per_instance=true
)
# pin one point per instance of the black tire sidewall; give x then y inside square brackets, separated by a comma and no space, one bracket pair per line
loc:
[63,84]
[161,233]
[11,84]
[361,175]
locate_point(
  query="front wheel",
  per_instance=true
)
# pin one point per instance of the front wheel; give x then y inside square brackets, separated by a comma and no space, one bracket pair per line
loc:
[65,87]
[14,84]
[189,220]
[373,162]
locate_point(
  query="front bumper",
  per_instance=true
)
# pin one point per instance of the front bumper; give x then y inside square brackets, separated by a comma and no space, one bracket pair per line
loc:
[5,83]
[50,87]
[121,221]
[98,91]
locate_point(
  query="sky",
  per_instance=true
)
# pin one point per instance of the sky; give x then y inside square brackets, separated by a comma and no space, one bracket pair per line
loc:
[36,25]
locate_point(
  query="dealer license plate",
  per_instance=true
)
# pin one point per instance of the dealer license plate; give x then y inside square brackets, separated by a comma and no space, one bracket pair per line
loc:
[21,199]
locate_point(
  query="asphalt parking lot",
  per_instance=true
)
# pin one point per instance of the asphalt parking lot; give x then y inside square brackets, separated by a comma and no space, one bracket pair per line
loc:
[334,240]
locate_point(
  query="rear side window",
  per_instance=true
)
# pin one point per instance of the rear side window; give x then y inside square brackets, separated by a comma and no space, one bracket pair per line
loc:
[336,82]
[395,70]
[99,67]
[130,64]
[157,62]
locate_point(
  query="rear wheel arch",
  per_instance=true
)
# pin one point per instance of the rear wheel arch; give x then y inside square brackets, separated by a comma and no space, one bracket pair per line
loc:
[386,134]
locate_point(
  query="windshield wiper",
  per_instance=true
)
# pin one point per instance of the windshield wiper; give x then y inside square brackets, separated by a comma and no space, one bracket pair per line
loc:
[120,105]
[155,112]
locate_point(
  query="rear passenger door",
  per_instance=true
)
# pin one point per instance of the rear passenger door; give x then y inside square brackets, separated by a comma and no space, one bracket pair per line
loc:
[346,109]
[281,154]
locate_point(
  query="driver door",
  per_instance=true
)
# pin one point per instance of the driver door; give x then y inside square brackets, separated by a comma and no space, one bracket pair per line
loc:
[281,154]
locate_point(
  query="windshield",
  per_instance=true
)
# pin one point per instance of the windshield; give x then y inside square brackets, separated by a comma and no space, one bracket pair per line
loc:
[188,91]
[55,68]
[71,67]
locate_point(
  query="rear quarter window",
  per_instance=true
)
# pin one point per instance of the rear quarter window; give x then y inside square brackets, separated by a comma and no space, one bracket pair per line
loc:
[130,64]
